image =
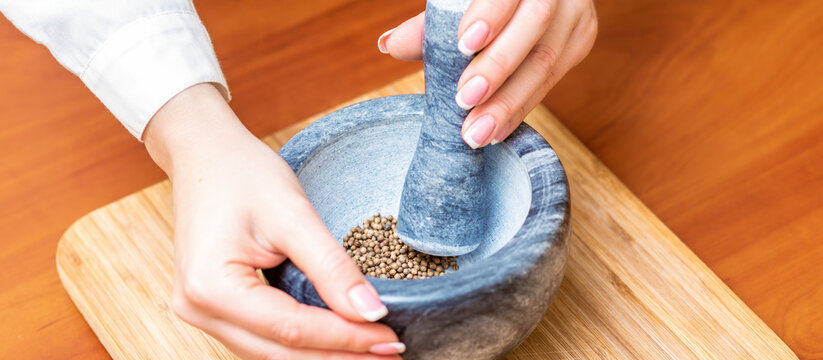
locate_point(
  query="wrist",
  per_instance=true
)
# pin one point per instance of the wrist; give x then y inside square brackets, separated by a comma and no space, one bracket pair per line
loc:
[193,127]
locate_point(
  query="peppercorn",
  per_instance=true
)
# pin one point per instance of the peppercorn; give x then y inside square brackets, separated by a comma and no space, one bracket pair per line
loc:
[378,251]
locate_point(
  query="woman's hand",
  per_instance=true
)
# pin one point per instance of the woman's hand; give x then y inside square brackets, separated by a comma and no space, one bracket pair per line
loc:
[239,207]
[526,47]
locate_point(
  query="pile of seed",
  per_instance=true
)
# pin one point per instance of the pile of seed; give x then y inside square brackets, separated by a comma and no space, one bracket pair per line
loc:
[379,252]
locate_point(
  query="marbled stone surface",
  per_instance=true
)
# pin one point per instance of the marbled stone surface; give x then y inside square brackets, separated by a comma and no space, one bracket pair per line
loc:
[353,162]
[443,203]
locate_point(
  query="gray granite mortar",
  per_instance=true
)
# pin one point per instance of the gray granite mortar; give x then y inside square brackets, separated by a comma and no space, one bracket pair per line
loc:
[353,162]
[506,208]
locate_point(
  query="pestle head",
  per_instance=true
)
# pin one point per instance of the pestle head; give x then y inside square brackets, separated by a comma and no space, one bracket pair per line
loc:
[442,208]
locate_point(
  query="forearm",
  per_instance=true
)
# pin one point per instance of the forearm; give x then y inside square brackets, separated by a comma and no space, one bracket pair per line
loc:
[195,125]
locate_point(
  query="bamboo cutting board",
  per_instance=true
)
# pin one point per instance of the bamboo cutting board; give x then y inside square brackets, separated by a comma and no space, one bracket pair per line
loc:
[632,289]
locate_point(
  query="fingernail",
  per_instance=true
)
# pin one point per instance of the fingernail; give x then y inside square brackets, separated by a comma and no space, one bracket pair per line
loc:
[494,142]
[381,41]
[388,348]
[471,92]
[366,302]
[473,38]
[479,131]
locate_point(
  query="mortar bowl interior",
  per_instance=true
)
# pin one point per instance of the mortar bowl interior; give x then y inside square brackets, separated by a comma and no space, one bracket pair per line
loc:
[352,163]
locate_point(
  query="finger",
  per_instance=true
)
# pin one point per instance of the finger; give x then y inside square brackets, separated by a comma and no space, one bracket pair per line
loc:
[481,22]
[490,69]
[250,346]
[235,294]
[577,47]
[312,248]
[490,122]
[405,42]
[274,315]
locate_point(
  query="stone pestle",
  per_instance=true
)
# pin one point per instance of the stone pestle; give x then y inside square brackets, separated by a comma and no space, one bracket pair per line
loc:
[442,209]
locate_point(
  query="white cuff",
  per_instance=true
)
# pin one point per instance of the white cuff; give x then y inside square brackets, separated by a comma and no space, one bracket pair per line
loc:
[146,63]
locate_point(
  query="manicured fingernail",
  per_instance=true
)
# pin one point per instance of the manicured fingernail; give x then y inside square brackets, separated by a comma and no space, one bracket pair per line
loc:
[471,92]
[479,131]
[494,142]
[388,348]
[366,302]
[381,41]
[473,38]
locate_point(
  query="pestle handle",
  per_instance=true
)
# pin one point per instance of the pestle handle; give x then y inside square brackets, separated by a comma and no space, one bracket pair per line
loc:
[442,208]
[443,62]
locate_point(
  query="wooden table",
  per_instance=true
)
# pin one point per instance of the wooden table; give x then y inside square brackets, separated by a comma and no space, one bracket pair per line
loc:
[709,116]
[632,289]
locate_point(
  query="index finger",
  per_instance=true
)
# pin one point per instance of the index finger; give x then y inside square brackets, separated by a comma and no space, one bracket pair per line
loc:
[334,274]
[272,314]
[481,23]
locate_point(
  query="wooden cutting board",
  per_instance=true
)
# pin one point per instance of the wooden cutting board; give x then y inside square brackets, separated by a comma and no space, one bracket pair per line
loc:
[632,289]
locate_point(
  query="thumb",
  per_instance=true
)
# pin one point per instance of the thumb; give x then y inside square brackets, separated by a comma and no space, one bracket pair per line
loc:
[404,42]
[337,279]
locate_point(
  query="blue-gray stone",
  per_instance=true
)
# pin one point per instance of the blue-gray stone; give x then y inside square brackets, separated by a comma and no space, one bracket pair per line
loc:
[442,208]
[353,162]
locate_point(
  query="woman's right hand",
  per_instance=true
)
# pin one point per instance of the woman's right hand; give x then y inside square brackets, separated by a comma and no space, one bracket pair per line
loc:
[239,207]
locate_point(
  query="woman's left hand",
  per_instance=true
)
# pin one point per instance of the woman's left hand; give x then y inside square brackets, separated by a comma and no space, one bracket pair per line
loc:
[527,47]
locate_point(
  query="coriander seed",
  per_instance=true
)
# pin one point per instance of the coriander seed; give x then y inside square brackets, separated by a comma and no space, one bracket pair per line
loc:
[378,251]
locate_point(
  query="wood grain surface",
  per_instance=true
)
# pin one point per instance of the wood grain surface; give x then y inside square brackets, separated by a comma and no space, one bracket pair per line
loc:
[632,289]
[712,113]
[707,110]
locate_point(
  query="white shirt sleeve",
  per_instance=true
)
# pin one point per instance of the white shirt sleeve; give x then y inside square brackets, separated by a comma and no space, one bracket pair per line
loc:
[134,55]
